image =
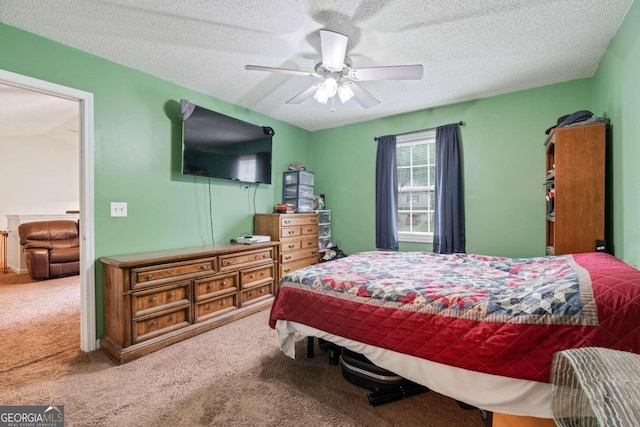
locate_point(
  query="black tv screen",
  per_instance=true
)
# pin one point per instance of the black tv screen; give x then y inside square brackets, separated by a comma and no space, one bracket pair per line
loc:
[218,146]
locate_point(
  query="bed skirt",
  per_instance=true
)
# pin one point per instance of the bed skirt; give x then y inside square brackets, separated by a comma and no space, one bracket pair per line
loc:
[486,391]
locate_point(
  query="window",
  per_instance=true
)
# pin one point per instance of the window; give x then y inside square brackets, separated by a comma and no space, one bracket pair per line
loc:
[416,160]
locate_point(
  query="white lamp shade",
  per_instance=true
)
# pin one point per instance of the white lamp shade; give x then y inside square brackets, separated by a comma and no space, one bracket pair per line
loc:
[345,93]
[326,91]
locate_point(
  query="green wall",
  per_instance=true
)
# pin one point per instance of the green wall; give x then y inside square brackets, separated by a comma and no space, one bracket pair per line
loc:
[504,167]
[617,94]
[138,149]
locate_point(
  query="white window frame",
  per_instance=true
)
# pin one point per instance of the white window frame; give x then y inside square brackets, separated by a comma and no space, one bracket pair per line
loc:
[426,137]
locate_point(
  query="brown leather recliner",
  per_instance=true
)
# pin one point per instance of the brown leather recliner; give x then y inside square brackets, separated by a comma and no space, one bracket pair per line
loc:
[51,248]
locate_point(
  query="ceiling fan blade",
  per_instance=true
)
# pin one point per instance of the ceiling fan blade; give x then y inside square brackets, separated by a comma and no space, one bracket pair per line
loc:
[395,72]
[305,94]
[334,49]
[361,96]
[280,70]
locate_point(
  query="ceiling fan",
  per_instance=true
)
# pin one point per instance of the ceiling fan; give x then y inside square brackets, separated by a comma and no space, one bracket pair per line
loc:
[339,76]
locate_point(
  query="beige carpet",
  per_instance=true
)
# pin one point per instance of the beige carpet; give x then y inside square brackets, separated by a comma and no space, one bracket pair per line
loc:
[231,376]
[39,327]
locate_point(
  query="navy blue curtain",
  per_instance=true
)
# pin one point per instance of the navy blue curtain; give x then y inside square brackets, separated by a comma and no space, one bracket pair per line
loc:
[386,194]
[448,235]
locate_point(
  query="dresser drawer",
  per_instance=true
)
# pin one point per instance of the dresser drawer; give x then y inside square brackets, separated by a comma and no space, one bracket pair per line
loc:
[260,274]
[288,221]
[256,294]
[162,273]
[293,245]
[309,230]
[154,300]
[216,285]
[233,261]
[289,267]
[290,232]
[297,255]
[153,326]
[308,243]
[215,307]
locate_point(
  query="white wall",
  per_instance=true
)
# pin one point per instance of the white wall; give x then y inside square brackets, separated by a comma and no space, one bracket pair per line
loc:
[39,174]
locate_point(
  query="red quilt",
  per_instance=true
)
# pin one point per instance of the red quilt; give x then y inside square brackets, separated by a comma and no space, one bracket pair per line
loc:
[502,316]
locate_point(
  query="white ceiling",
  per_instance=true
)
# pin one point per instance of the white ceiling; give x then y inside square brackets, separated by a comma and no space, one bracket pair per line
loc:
[25,112]
[469,49]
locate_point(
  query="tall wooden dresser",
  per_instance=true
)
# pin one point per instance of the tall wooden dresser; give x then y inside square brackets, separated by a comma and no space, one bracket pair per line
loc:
[298,237]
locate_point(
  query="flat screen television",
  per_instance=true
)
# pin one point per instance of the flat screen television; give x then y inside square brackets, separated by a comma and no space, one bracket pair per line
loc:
[218,146]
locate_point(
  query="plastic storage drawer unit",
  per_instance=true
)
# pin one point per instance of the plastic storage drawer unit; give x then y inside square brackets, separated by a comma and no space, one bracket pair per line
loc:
[324,217]
[301,205]
[324,230]
[298,177]
[298,191]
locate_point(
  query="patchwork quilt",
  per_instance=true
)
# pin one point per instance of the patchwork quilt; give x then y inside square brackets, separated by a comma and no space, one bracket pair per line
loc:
[502,316]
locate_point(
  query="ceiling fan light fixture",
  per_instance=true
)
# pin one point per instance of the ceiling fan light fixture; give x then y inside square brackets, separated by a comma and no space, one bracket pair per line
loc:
[337,77]
[344,92]
[328,90]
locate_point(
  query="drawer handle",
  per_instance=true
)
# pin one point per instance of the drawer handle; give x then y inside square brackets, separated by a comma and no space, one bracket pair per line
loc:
[261,273]
[209,286]
[250,294]
[222,302]
[172,294]
[208,307]
[203,267]
[287,270]
[309,230]
[149,276]
[261,290]
[224,283]
[291,232]
[292,246]
[286,221]
[313,221]
[314,252]
[251,276]
[287,258]
[172,318]
[153,299]
[154,323]
[309,243]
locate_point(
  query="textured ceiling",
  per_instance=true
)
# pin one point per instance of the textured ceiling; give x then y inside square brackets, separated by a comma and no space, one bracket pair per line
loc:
[26,112]
[469,49]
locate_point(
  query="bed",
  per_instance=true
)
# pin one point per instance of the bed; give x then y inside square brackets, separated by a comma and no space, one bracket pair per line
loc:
[480,329]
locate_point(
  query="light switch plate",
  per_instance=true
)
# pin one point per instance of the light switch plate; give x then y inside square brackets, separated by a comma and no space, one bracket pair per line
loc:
[118,209]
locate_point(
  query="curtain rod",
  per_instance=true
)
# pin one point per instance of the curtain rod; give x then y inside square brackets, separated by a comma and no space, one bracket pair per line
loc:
[460,123]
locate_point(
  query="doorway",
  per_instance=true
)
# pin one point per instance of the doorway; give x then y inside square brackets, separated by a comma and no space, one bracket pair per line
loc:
[88,340]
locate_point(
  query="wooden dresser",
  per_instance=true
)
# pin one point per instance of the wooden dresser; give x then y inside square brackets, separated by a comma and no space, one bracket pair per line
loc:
[298,237]
[154,299]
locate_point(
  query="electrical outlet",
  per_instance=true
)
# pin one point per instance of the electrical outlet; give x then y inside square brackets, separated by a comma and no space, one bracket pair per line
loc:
[118,209]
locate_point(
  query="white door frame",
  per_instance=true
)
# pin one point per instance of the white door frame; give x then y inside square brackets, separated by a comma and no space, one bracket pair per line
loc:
[88,340]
